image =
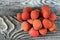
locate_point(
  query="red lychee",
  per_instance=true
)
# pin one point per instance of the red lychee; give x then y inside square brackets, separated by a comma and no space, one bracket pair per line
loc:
[25,26]
[33,32]
[37,24]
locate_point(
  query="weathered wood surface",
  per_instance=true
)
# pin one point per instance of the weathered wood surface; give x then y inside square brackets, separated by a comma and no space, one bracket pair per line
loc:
[10,28]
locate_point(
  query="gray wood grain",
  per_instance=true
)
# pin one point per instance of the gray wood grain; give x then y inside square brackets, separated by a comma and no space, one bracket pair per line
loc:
[11,7]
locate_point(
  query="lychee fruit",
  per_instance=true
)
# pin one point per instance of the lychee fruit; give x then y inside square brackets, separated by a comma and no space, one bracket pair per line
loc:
[33,32]
[25,16]
[52,17]
[46,23]
[25,26]
[27,9]
[37,24]
[34,14]
[19,16]
[43,31]
[30,21]
[52,28]
[37,10]
[45,11]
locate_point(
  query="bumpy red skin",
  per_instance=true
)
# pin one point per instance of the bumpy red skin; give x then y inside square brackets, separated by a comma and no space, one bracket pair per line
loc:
[34,14]
[43,31]
[37,24]
[19,16]
[52,16]
[37,10]
[25,26]
[45,11]
[30,21]
[25,16]
[33,32]
[47,23]
[52,28]
[27,9]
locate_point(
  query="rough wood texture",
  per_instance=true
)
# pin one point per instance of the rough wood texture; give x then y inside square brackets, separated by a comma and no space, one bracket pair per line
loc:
[10,28]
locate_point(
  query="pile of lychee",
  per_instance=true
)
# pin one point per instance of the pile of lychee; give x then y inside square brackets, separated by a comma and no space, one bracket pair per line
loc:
[37,21]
